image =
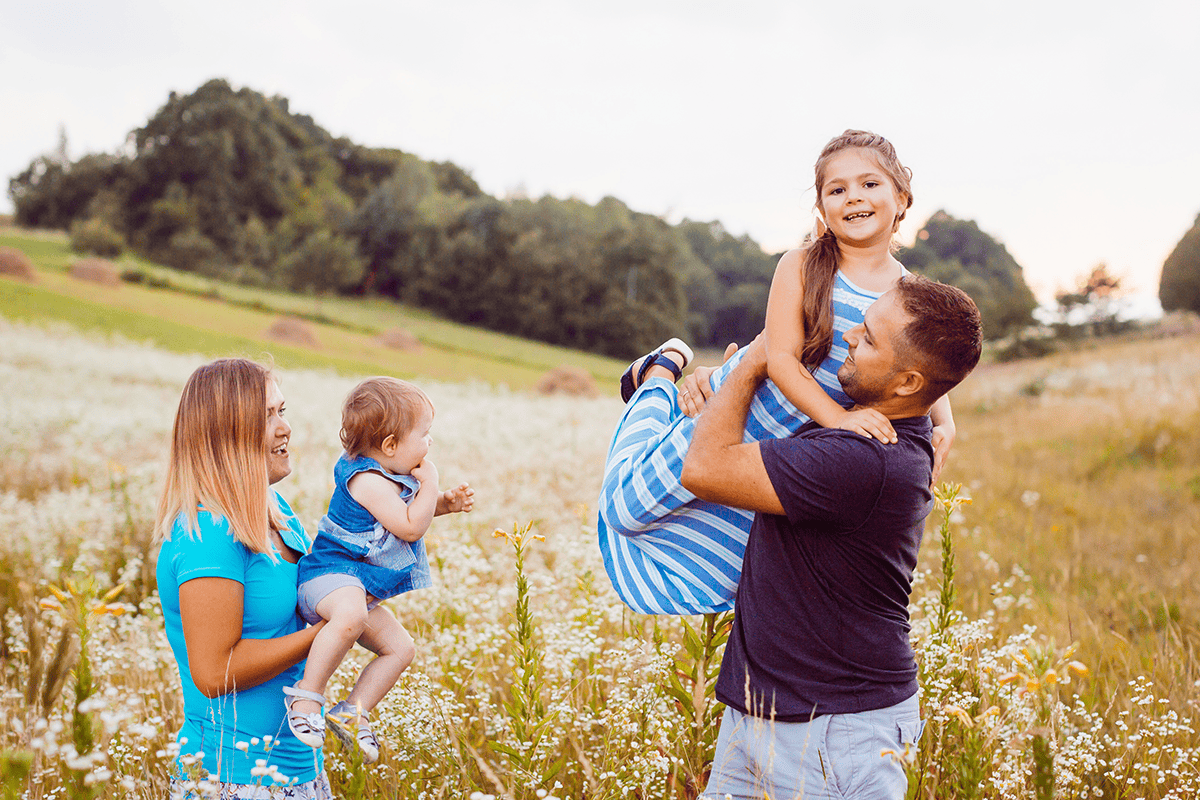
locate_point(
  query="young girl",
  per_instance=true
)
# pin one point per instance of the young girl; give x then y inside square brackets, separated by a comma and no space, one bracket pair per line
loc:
[368,548]
[862,194]
[668,552]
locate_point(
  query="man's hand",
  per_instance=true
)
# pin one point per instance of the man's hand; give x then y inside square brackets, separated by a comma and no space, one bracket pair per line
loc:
[697,386]
[459,499]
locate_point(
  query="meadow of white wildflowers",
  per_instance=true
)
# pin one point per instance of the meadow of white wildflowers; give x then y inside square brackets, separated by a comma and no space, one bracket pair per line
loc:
[531,679]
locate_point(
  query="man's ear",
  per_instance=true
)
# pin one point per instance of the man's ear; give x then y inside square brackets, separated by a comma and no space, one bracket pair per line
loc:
[389,445]
[908,383]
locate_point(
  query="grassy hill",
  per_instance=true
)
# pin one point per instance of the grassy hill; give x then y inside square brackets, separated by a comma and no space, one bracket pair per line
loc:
[184,312]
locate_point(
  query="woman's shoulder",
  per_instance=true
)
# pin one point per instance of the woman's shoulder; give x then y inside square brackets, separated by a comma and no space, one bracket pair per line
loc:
[207,531]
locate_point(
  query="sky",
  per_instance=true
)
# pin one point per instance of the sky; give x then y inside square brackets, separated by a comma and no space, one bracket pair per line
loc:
[1067,130]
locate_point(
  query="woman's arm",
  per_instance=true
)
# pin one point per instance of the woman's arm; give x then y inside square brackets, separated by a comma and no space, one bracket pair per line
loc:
[220,660]
[785,340]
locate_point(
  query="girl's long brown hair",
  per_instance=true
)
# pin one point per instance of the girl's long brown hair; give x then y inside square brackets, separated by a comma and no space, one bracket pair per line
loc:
[218,457]
[820,257]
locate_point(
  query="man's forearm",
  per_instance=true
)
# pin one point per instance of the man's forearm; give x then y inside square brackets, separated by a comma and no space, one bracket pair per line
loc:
[721,424]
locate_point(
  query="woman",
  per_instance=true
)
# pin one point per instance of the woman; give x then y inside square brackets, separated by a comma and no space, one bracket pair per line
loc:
[227,581]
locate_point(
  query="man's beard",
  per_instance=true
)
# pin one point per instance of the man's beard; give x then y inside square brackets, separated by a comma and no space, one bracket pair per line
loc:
[861,392]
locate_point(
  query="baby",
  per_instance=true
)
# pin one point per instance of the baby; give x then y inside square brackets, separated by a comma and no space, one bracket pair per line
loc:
[368,548]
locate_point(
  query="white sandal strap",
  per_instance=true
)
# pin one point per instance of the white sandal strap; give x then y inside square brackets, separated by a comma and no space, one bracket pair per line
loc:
[295,691]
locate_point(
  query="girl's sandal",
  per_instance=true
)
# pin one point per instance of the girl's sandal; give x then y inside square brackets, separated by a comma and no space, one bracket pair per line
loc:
[344,714]
[631,380]
[307,727]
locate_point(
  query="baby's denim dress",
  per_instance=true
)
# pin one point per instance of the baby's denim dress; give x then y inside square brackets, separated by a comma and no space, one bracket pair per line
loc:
[350,541]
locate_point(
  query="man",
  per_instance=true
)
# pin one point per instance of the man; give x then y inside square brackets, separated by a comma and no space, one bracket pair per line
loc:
[818,676]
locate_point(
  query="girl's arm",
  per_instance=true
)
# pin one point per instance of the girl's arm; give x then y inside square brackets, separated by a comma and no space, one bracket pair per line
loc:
[219,659]
[378,495]
[460,498]
[785,340]
[944,432]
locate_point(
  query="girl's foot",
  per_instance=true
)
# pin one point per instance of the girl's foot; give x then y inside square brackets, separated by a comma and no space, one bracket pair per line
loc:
[307,726]
[673,355]
[348,714]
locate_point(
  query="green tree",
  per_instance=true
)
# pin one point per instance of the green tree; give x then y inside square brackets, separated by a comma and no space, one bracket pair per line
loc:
[322,264]
[727,293]
[1179,287]
[957,252]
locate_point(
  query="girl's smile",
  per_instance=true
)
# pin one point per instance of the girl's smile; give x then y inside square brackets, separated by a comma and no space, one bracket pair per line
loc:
[859,202]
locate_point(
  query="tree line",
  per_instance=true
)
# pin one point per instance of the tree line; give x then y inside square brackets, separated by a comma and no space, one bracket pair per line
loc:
[233,184]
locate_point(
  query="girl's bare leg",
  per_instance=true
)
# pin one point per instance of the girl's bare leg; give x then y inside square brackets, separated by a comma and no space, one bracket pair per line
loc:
[394,649]
[346,610]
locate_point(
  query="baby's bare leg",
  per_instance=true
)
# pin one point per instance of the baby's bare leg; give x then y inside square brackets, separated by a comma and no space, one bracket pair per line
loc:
[394,649]
[346,611]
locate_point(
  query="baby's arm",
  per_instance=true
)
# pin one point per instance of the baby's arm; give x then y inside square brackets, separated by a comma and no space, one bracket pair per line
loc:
[785,340]
[451,501]
[379,496]
[944,432]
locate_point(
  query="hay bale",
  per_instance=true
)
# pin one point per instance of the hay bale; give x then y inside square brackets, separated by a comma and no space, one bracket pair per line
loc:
[574,381]
[96,270]
[292,330]
[15,264]
[400,339]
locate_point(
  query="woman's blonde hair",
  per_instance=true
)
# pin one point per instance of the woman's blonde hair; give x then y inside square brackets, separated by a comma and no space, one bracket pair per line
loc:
[218,457]
[821,256]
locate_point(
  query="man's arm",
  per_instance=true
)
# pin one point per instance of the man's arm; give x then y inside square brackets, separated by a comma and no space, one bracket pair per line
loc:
[718,466]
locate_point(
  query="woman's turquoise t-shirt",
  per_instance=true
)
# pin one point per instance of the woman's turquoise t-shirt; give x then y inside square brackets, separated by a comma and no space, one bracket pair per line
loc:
[231,730]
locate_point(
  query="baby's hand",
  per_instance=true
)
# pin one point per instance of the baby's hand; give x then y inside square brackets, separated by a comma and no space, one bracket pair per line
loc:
[426,472]
[460,498]
[868,422]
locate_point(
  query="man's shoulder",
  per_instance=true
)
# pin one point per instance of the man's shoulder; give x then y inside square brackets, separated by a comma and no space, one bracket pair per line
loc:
[828,451]
[817,448]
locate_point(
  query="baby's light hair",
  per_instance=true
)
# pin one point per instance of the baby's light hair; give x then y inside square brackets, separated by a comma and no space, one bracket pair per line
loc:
[378,408]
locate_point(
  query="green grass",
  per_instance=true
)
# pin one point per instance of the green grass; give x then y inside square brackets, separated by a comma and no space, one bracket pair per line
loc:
[215,318]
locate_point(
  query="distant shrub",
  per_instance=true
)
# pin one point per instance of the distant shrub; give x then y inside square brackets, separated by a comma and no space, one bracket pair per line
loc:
[16,264]
[96,270]
[143,278]
[1025,347]
[96,237]
[193,251]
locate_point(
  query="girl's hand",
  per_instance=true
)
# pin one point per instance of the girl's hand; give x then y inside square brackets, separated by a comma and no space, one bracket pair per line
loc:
[868,422]
[460,498]
[426,472]
[943,438]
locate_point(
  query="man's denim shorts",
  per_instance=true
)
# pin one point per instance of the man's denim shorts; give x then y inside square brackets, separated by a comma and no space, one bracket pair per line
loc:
[833,756]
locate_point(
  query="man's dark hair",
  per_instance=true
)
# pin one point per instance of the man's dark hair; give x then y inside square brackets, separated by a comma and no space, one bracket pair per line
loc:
[944,337]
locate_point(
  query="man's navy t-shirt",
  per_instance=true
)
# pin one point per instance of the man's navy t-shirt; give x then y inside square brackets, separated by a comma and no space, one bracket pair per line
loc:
[821,620]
